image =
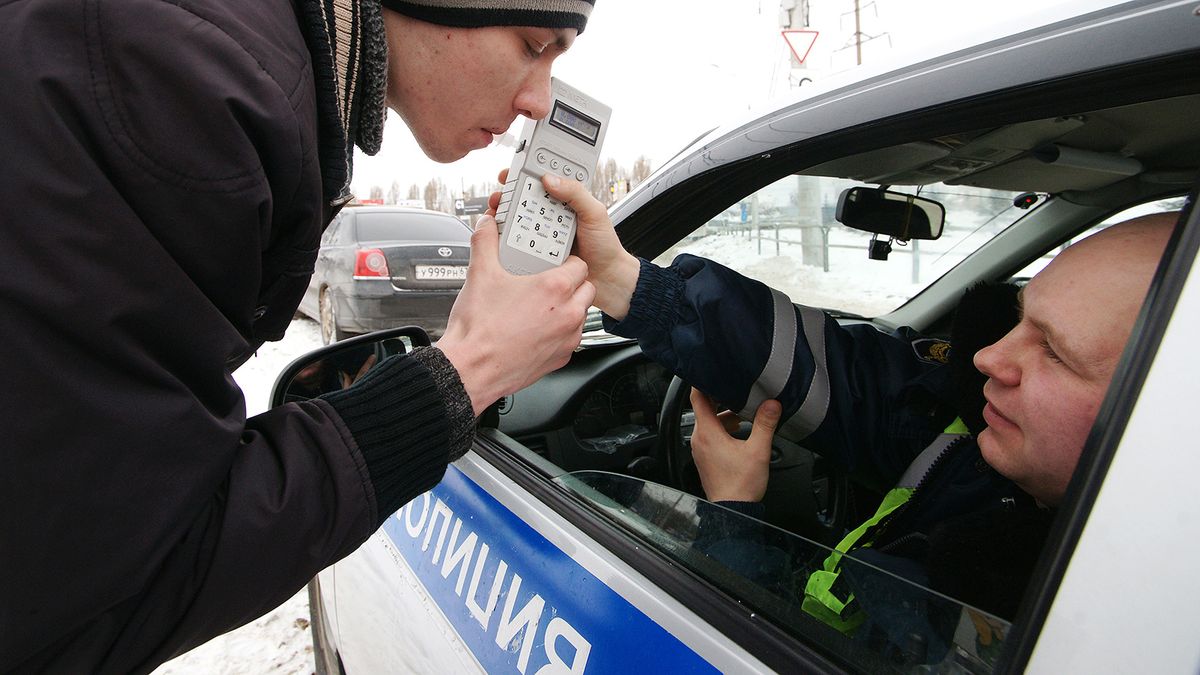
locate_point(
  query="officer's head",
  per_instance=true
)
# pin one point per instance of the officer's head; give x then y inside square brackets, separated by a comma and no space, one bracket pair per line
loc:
[460,72]
[1048,376]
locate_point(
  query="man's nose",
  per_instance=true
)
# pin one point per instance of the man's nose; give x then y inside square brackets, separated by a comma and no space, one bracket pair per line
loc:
[995,361]
[533,99]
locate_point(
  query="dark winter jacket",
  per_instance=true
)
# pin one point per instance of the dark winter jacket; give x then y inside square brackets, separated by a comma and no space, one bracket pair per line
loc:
[163,189]
[867,400]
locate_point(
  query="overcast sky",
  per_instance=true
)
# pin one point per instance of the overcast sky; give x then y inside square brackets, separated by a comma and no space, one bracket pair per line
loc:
[672,69]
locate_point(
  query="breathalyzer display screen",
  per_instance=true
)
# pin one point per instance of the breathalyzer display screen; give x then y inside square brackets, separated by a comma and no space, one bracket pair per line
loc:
[574,122]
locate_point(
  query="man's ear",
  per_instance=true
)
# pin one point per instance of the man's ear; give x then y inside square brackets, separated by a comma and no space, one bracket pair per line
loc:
[986,313]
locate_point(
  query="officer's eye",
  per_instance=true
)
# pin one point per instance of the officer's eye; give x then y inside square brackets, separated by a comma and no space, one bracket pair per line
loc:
[1049,351]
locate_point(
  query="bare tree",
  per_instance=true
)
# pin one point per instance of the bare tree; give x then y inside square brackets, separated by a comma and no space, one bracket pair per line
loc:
[376,192]
[641,171]
[414,192]
[432,191]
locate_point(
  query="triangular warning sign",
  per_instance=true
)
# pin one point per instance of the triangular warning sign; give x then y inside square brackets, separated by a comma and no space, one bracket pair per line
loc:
[800,42]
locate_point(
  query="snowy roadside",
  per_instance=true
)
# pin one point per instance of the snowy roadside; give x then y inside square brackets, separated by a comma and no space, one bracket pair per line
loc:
[279,641]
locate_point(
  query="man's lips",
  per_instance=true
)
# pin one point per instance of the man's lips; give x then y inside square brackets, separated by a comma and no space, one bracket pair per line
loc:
[486,137]
[995,418]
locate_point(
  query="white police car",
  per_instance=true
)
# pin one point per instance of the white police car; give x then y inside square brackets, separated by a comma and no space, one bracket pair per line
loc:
[565,542]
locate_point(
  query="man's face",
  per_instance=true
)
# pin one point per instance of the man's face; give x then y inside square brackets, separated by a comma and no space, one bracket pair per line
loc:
[457,88]
[1048,376]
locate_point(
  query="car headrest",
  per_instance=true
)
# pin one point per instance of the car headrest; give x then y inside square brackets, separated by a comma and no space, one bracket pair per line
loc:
[986,313]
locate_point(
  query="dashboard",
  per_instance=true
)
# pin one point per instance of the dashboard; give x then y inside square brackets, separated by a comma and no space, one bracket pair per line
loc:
[599,412]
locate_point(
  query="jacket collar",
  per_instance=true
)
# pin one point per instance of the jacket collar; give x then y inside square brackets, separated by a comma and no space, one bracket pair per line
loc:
[348,47]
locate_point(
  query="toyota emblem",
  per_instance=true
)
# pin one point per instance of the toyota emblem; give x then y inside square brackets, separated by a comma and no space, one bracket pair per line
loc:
[445,251]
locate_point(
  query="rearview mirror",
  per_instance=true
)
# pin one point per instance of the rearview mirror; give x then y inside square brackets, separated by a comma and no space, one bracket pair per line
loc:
[894,214]
[340,364]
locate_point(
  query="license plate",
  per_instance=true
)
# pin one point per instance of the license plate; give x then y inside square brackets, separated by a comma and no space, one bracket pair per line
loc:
[441,272]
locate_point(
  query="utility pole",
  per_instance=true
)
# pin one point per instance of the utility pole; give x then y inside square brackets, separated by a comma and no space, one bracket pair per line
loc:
[807,198]
[858,32]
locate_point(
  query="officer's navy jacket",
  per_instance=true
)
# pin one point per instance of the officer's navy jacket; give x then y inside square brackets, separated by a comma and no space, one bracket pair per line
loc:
[867,400]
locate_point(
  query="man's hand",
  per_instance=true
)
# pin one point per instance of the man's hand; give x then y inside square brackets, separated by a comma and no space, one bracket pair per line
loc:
[612,270]
[732,470]
[506,331]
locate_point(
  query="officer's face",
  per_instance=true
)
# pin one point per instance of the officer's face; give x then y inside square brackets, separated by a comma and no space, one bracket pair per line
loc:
[1049,375]
[457,88]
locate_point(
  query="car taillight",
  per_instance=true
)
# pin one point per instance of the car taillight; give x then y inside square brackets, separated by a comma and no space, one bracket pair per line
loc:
[370,262]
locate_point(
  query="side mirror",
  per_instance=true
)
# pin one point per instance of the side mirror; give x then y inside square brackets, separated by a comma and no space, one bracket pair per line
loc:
[893,214]
[339,365]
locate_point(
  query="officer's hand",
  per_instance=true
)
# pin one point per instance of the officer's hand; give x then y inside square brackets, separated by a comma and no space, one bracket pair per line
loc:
[732,470]
[612,270]
[506,331]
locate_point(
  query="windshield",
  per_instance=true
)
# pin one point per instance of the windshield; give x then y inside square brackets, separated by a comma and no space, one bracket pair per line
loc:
[908,629]
[401,226]
[786,236]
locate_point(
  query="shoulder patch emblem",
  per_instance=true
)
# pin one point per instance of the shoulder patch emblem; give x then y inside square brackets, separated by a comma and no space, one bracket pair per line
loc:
[932,350]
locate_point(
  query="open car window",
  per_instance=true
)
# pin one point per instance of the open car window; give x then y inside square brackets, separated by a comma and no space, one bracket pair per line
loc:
[1157,206]
[786,236]
[910,628]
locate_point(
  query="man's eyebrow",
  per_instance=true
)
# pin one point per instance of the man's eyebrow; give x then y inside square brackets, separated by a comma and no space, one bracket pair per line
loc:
[1065,349]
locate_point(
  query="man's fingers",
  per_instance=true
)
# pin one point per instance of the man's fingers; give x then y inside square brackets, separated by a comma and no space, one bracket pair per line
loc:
[494,198]
[706,412]
[766,419]
[575,269]
[584,295]
[367,365]
[730,421]
[485,243]
[574,194]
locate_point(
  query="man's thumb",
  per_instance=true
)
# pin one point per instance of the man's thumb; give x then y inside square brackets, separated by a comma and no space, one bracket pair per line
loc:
[767,418]
[485,241]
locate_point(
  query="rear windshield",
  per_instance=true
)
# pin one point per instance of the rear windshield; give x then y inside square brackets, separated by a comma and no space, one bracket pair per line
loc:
[410,227]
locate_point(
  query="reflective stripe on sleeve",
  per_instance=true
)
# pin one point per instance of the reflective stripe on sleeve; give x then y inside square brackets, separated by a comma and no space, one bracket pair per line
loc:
[778,367]
[816,401]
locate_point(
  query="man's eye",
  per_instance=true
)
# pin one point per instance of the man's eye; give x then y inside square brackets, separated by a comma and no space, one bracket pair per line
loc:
[534,49]
[1050,351]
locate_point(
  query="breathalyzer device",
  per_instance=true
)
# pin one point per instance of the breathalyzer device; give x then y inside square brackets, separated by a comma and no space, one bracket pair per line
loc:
[537,230]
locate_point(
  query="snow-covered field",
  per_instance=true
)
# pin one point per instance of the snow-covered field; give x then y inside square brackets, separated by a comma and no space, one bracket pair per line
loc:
[280,641]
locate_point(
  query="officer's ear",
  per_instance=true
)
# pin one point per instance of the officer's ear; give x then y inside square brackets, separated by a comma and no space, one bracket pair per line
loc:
[986,313]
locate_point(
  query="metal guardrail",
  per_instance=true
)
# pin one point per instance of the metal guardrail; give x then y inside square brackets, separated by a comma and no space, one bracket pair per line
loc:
[768,231]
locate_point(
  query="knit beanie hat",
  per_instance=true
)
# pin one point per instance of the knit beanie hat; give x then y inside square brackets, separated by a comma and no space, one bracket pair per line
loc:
[479,13]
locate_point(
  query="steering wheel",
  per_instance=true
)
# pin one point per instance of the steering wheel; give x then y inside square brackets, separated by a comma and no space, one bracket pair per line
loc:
[805,495]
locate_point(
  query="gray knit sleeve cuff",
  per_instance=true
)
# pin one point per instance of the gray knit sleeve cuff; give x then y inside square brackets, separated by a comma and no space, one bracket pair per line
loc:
[458,404]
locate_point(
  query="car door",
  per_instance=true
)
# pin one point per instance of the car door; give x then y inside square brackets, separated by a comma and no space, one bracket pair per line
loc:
[478,575]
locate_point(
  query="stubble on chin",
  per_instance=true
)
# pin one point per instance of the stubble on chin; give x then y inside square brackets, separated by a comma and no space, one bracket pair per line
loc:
[988,446]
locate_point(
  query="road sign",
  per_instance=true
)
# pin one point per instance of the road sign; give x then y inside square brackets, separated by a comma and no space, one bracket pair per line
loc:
[470,206]
[800,41]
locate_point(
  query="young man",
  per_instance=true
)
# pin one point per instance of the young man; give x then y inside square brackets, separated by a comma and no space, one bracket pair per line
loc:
[168,168]
[968,509]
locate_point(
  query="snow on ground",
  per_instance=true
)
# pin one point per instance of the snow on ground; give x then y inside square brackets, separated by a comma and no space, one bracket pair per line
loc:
[854,283]
[280,641]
